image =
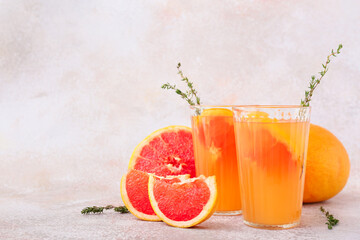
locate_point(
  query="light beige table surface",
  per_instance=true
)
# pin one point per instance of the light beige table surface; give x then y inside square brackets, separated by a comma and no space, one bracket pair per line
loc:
[33,216]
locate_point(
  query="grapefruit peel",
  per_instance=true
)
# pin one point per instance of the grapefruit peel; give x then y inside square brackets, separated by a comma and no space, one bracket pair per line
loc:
[217,112]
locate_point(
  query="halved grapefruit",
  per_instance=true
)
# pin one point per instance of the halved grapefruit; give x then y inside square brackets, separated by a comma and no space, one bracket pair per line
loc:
[185,203]
[167,151]
[134,193]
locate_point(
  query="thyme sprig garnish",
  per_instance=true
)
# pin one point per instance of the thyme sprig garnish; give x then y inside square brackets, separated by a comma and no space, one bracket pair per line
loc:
[98,210]
[314,82]
[331,221]
[187,95]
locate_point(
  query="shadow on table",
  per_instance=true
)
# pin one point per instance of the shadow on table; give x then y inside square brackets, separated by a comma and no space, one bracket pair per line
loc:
[228,223]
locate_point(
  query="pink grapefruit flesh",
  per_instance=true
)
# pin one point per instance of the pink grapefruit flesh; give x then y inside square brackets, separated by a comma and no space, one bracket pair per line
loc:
[167,151]
[185,203]
[134,192]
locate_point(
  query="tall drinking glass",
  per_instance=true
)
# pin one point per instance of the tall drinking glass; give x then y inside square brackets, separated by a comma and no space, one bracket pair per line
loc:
[215,153]
[271,146]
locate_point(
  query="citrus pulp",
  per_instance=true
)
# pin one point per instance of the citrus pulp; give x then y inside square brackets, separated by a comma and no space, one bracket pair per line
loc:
[183,204]
[167,151]
[134,192]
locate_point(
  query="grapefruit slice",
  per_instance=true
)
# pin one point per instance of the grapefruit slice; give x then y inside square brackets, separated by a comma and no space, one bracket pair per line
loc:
[134,193]
[271,142]
[214,122]
[289,136]
[167,151]
[217,112]
[183,204]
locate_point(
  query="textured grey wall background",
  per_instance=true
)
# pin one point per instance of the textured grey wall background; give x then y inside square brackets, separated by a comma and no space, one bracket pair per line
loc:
[80,80]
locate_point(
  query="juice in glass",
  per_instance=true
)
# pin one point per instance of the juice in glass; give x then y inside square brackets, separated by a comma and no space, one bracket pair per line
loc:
[272,146]
[215,153]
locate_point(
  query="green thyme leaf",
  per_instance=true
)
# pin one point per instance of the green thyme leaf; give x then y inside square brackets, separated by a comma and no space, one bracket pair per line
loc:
[331,220]
[187,95]
[98,210]
[314,82]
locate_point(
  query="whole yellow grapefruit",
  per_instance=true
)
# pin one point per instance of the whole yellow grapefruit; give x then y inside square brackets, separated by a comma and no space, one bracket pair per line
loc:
[327,167]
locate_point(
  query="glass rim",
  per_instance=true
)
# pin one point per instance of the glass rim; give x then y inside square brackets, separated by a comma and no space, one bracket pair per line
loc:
[212,106]
[247,106]
[270,106]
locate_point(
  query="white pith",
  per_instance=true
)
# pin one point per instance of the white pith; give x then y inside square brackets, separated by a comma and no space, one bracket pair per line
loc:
[180,177]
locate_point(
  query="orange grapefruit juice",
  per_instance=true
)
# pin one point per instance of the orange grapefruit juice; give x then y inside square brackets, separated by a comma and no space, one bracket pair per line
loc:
[215,154]
[271,158]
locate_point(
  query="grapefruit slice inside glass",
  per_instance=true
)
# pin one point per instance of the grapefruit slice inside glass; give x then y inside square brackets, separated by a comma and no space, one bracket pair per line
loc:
[272,143]
[289,134]
[167,151]
[217,112]
[217,125]
[134,193]
[183,204]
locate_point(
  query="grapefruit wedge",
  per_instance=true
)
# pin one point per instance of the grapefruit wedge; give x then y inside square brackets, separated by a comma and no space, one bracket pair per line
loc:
[185,203]
[291,137]
[272,143]
[134,193]
[167,151]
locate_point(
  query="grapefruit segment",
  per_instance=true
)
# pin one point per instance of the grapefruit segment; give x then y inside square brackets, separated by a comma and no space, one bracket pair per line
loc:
[134,193]
[217,123]
[185,203]
[273,143]
[291,139]
[217,112]
[167,151]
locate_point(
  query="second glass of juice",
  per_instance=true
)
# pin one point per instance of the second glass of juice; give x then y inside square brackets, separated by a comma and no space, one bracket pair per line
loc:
[272,146]
[215,153]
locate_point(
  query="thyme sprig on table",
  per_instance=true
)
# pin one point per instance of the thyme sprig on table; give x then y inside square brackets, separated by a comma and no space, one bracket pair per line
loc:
[331,221]
[187,95]
[97,210]
[314,82]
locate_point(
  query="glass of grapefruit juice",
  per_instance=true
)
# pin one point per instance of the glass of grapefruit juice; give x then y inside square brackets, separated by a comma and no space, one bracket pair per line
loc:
[215,153]
[272,145]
